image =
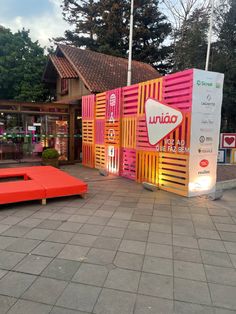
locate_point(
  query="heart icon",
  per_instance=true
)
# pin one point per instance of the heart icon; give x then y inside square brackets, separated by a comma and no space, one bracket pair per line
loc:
[229,140]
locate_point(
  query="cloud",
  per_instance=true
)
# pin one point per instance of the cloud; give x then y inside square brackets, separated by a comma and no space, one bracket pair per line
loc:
[47,24]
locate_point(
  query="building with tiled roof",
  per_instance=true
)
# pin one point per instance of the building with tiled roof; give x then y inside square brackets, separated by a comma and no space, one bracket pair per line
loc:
[74,72]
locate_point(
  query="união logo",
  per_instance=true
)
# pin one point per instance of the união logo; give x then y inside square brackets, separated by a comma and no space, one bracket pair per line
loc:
[160,120]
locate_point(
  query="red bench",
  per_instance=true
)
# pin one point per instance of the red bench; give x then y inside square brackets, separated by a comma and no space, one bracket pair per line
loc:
[38,183]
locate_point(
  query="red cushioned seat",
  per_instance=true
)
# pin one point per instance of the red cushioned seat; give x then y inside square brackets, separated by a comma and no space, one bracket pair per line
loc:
[39,183]
[19,191]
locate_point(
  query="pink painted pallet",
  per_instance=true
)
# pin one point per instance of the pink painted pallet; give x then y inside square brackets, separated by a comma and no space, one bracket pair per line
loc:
[100,131]
[177,90]
[128,163]
[130,100]
[88,106]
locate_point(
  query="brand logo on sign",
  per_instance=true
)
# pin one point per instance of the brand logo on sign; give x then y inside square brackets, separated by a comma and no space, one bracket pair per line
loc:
[161,120]
[204,163]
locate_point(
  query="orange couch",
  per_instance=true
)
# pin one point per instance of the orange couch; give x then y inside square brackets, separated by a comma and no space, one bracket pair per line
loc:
[41,182]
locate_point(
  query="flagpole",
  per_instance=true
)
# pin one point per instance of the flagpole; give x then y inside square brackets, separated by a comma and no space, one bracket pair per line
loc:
[209,36]
[130,43]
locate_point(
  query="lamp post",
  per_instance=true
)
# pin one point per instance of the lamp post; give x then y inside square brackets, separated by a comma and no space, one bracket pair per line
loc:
[209,36]
[129,74]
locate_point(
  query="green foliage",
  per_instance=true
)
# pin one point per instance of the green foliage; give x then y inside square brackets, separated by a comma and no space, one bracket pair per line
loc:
[224,60]
[191,41]
[50,153]
[103,26]
[21,67]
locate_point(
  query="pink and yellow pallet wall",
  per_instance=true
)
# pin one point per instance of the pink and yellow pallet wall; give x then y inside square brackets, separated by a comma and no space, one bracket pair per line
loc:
[116,135]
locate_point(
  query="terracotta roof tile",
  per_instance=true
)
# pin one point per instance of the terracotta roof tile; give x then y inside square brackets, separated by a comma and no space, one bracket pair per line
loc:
[63,67]
[101,72]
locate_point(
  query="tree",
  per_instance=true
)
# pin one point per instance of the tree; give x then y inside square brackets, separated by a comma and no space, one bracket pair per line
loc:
[150,31]
[224,60]
[21,67]
[191,41]
[103,26]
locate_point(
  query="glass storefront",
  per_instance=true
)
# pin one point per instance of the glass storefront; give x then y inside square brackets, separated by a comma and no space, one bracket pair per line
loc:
[24,136]
[26,131]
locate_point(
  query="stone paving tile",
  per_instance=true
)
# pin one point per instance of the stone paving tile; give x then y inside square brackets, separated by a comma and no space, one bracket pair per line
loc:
[100,256]
[159,250]
[156,285]
[189,270]
[49,249]
[27,307]
[15,284]
[136,235]
[61,269]
[158,265]
[38,234]
[3,228]
[17,231]
[208,234]
[45,290]
[191,291]
[221,275]
[79,297]
[130,246]
[6,303]
[70,226]
[228,236]
[185,241]
[30,222]
[128,261]
[60,310]
[9,259]
[23,245]
[107,243]
[73,252]
[2,273]
[151,305]
[60,236]
[79,218]
[91,274]
[6,241]
[161,238]
[91,229]
[83,239]
[233,259]
[223,296]
[113,232]
[186,254]
[119,223]
[190,308]
[230,247]
[50,224]
[216,258]
[123,279]
[33,264]
[115,302]
[211,245]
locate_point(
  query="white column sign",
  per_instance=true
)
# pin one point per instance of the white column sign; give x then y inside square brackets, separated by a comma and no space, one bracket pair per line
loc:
[205,130]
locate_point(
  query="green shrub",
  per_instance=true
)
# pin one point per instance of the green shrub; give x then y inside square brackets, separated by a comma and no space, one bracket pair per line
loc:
[50,153]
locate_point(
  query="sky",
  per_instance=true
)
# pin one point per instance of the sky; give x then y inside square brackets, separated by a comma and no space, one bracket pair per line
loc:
[42,17]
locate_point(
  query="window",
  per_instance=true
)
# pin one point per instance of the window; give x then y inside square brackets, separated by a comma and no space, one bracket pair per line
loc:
[64,86]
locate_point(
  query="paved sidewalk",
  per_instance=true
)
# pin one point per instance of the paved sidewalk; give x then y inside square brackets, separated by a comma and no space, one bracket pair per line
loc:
[123,250]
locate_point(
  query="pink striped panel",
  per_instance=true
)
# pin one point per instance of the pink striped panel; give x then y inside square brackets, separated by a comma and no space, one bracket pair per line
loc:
[128,163]
[130,100]
[177,90]
[88,103]
[100,131]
